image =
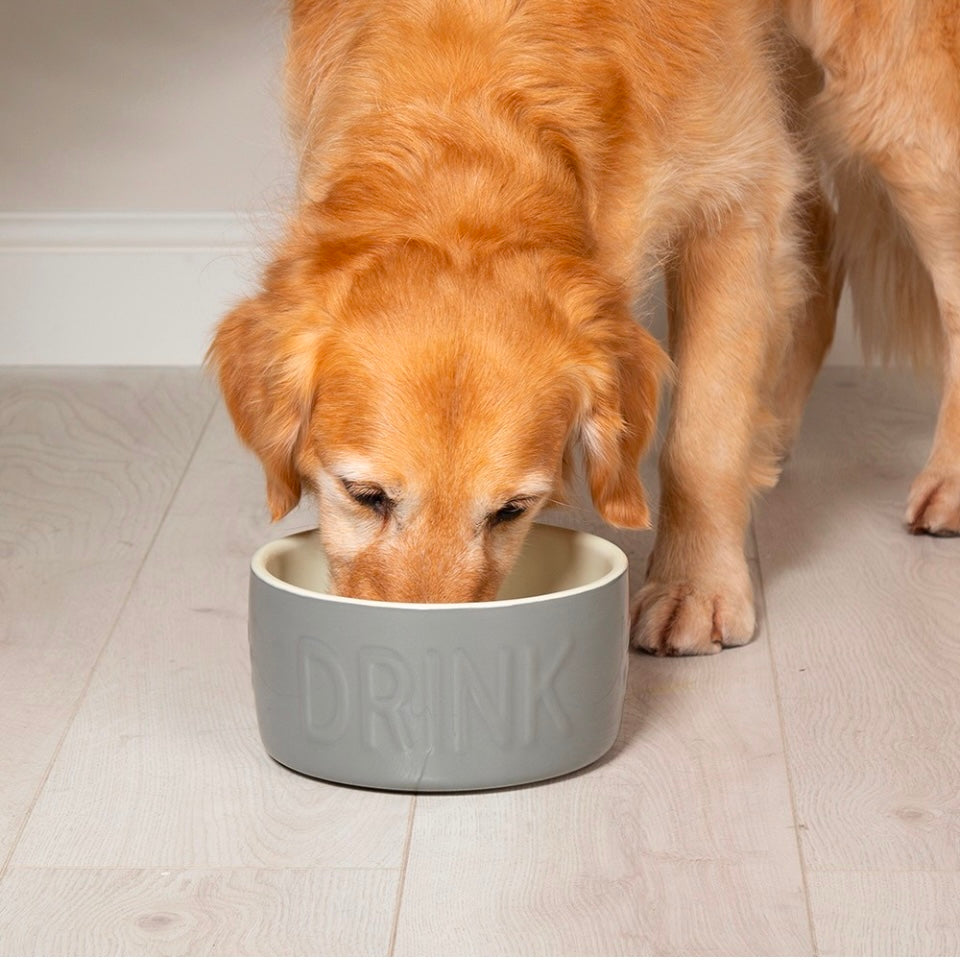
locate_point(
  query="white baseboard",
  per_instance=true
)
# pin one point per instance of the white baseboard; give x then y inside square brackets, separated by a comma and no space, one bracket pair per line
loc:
[143,289]
[137,289]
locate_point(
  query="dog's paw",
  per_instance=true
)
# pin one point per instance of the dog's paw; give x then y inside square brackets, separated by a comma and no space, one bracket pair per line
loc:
[934,503]
[685,618]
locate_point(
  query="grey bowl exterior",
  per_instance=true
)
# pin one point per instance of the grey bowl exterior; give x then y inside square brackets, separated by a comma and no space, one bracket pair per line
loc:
[425,697]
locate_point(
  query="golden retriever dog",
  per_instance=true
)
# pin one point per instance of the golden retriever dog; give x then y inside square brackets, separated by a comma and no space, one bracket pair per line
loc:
[486,188]
[880,106]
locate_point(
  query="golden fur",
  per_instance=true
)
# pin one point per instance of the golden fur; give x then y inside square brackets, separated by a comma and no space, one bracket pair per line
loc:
[881,111]
[486,187]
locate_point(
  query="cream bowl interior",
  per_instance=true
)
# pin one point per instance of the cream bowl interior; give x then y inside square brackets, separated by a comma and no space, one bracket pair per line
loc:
[554,560]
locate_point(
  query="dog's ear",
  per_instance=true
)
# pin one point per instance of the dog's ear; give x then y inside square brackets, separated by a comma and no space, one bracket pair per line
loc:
[620,374]
[266,361]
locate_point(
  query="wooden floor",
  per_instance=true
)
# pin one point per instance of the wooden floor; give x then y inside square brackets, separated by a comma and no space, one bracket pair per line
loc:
[798,796]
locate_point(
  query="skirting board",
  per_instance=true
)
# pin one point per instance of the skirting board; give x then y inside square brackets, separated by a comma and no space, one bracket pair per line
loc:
[142,289]
[122,289]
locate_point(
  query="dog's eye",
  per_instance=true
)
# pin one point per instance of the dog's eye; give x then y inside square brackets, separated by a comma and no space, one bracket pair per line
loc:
[509,511]
[370,496]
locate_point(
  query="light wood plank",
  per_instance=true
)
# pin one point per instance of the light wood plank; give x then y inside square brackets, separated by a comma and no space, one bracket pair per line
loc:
[89,460]
[151,912]
[680,841]
[865,628]
[163,764]
[887,913]
[163,805]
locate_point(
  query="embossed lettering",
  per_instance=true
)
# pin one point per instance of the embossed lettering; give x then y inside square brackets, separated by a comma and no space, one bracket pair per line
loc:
[441,700]
[538,691]
[386,687]
[469,692]
[325,694]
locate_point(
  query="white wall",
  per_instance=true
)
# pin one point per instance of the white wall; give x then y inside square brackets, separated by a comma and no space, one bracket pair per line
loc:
[139,142]
[133,105]
[142,162]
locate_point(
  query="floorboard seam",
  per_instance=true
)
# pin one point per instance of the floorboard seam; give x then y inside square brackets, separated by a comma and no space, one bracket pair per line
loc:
[401,882]
[811,926]
[4,866]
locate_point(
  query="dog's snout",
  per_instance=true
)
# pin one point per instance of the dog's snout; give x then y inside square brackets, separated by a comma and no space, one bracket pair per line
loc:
[461,584]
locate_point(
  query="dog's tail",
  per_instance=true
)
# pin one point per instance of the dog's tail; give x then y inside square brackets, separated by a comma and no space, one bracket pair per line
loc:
[894,306]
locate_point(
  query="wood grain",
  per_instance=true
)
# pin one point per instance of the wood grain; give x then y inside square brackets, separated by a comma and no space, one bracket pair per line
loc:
[240,912]
[89,460]
[164,829]
[680,841]
[887,913]
[163,764]
[865,628]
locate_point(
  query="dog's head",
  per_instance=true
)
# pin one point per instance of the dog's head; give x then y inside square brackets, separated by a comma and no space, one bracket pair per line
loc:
[430,407]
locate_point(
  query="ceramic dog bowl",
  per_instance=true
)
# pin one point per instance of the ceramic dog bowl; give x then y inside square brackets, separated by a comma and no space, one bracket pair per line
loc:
[431,697]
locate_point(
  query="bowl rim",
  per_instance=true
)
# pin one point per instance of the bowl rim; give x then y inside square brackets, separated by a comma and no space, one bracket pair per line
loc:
[618,562]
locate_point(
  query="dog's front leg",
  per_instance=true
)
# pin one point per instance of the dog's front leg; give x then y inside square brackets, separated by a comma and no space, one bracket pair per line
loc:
[732,290]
